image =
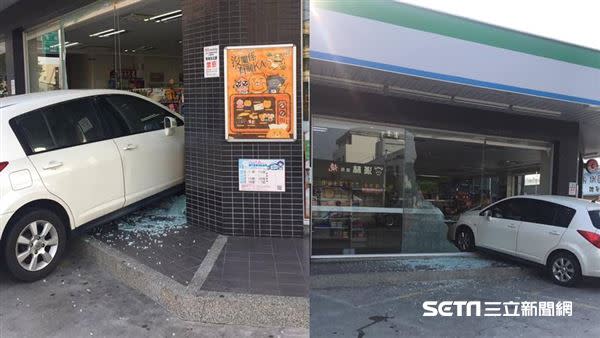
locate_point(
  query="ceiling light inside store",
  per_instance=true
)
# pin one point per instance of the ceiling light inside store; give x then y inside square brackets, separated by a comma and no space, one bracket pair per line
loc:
[170,18]
[112,33]
[164,15]
[102,32]
[320,129]
[67,44]
[535,111]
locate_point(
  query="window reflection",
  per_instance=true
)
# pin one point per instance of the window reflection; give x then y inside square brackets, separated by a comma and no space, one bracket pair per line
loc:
[381,189]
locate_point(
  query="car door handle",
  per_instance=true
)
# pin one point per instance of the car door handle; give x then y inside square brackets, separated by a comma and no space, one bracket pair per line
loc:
[52,165]
[554,233]
[512,226]
[130,147]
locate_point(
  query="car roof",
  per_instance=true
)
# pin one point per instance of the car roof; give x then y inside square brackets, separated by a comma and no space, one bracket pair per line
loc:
[18,104]
[572,202]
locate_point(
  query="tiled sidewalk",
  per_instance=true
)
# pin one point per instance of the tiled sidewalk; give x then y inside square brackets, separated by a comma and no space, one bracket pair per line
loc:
[176,253]
[275,266]
[158,237]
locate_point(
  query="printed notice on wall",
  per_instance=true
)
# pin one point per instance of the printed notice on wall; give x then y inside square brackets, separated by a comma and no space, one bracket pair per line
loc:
[573,188]
[211,61]
[262,175]
[260,93]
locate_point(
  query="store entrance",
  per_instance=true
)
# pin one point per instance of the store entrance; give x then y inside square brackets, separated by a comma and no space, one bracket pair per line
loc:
[125,45]
[383,189]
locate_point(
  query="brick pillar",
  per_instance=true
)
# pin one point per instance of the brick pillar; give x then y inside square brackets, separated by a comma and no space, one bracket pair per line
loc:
[213,199]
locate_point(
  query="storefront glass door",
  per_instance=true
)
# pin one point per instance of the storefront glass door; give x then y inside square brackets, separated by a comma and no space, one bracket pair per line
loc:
[443,173]
[358,184]
[45,69]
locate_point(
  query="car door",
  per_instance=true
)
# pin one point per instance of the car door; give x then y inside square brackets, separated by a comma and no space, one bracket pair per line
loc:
[152,160]
[72,150]
[500,225]
[543,225]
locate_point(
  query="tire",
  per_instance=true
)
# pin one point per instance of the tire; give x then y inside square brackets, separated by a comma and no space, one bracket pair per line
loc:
[564,269]
[465,240]
[34,256]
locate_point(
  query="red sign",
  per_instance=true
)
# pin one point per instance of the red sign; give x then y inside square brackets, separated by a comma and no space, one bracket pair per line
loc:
[591,166]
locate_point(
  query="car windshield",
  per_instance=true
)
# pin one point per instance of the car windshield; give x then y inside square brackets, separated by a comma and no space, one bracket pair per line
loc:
[595,216]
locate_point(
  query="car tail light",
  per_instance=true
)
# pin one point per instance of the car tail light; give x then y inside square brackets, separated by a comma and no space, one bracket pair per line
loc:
[592,237]
[3,165]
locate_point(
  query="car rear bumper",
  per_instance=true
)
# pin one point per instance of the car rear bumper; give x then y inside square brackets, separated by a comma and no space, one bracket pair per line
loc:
[591,262]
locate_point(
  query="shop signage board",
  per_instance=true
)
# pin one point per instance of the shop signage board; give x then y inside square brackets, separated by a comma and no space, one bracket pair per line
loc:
[358,176]
[260,93]
[50,43]
[211,61]
[474,53]
[261,175]
[591,179]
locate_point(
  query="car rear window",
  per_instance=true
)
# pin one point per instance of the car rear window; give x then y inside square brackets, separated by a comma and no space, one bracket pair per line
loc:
[595,216]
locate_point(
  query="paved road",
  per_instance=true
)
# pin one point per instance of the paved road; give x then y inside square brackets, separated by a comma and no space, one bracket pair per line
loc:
[392,311]
[79,300]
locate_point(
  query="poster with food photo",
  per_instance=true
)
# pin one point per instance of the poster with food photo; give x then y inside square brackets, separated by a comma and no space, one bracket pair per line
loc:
[260,89]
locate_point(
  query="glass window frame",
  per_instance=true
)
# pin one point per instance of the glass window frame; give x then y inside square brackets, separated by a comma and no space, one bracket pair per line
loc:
[537,205]
[519,201]
[493,140]
[321,123]
[595,218]
[14,124]
[118,115]
[92,10]
[34,33]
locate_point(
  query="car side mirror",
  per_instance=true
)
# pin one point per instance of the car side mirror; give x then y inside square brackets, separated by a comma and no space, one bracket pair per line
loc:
[487,214]
[170,124]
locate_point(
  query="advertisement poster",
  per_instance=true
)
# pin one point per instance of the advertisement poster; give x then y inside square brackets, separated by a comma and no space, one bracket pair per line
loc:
[262,175]
[260,93]
[211,61]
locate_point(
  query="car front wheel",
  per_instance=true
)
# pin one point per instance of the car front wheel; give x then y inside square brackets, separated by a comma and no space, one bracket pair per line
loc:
[35,244]
[564,269]
[465,241]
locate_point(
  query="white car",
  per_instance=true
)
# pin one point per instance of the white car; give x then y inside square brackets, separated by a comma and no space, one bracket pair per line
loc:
[561,233]
[74,159]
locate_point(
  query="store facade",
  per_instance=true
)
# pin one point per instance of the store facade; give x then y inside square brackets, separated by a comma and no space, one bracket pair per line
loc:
[419,116]
[126,45]
[156,48]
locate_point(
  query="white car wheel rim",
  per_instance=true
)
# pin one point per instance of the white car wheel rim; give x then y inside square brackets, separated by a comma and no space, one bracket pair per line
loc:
[36,245]
[463,240]
[563,269]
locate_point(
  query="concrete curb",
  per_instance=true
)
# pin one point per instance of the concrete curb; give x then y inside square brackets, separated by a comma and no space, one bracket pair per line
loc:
[198,305]
[395,278]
